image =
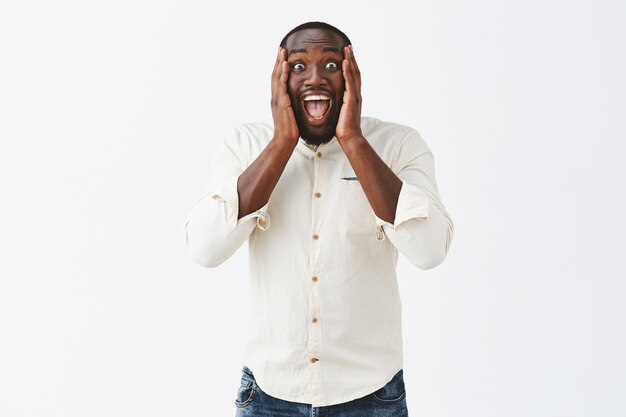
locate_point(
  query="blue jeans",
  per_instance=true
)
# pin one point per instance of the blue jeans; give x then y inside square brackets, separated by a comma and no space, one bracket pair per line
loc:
[388,401]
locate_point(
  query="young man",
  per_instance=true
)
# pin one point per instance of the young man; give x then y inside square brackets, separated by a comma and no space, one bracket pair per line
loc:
[345,194]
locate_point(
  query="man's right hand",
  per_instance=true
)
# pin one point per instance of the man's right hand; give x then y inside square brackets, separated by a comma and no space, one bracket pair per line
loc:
[285,126]
[256,183]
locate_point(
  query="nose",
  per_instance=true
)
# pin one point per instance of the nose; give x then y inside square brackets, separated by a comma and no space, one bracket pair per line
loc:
[315,78]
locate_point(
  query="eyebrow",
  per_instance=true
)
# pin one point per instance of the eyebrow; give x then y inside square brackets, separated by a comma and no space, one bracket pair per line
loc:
[304,51]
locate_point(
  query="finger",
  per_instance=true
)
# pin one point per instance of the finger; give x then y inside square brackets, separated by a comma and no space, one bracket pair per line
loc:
[284,77]
[349,68]
[356,66]
[348,78]
[277,75]
[352,96]
[356,71]
[276,63]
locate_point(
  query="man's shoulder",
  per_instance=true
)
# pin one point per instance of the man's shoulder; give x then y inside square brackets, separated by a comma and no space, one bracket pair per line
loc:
[377,129]
[249,136]
[254,131]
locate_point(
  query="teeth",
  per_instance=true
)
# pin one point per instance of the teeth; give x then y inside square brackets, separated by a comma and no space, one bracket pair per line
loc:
[319,97]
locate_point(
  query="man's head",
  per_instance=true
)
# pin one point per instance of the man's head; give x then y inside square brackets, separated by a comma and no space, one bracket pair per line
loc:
[316,83]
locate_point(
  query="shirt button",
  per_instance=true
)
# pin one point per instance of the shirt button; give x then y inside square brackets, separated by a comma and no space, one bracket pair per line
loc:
[319,154]
[314,279]
[314,360]
[318,195]
[314,320]
[315,237]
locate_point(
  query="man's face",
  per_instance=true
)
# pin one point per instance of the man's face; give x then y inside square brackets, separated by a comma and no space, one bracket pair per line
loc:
[316,82]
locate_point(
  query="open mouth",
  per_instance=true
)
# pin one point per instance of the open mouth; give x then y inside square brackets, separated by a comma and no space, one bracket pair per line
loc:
[317,107]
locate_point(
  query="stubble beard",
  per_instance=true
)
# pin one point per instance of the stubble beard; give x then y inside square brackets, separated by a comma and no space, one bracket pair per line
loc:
[317,135]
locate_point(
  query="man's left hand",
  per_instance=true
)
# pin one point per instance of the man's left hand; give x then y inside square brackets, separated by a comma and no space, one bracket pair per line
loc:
[349,124]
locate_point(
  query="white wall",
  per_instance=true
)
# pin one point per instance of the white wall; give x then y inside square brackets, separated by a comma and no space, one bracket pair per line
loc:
[110,112]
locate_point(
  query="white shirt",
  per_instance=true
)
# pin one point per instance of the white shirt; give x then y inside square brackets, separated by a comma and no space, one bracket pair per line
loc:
[325,322]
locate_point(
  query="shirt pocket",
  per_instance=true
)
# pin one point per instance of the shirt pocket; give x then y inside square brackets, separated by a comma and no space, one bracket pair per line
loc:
[357,216]
[393,392]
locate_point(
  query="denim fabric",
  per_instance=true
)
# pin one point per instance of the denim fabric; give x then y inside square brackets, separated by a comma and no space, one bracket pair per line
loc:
[388,401]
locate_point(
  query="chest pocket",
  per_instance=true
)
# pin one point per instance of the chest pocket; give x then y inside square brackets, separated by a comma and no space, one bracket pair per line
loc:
[357,216]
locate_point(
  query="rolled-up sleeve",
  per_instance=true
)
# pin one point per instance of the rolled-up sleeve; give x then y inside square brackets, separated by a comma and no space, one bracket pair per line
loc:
[213,231]
[422,229]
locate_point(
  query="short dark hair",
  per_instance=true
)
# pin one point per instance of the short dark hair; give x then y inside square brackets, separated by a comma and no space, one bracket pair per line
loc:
[315,25]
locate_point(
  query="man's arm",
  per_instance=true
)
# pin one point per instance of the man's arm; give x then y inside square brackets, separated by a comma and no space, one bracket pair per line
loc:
[213,229]
[258,181]
[380,184]
[219,222]
[407,204]
[422,229]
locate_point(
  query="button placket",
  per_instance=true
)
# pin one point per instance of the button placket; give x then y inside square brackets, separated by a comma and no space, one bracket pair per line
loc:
[314,330]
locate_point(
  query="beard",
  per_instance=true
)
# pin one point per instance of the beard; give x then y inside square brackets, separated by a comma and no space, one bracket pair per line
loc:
[317,135]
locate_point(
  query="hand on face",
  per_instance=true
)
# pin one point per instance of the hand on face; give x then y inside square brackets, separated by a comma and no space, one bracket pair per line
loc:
[316,68]
[285,127]
[349,124]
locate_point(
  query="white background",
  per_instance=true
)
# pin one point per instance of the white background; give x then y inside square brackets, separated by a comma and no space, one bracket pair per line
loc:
[111,111]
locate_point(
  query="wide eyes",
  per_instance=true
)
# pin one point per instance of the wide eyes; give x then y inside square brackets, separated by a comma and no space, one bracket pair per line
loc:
[299,67]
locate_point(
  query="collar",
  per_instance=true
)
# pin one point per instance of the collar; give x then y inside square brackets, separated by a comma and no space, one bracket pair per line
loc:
[329,146]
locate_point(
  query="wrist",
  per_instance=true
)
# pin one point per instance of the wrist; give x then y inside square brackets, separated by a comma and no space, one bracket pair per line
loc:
[283,143]
[351,140]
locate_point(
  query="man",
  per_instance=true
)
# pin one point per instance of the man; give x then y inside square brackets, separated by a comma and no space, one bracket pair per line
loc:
[344,194]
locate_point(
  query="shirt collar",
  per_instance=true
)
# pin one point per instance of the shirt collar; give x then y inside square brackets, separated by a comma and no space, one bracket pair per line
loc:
[329,146]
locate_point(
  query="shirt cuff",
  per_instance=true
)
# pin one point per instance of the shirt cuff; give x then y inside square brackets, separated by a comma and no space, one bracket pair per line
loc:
[412,204]
[226,193]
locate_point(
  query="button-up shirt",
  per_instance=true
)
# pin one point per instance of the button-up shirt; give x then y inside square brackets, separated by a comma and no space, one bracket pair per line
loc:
[325,322]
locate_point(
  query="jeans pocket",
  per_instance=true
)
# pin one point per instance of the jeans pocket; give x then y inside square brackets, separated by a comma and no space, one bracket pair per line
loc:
[393,392]
[246,391]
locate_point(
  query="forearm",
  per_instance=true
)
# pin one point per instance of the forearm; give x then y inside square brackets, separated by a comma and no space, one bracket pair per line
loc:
[424,242]
[211,235]
[256,183]
[380,184]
